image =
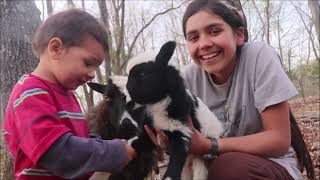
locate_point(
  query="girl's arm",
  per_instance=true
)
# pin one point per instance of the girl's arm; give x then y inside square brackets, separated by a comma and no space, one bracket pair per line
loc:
[274,140]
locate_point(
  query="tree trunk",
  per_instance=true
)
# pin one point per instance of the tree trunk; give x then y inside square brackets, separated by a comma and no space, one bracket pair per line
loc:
[104,16]
[49,7]
[267,15]
[120,47]
[70,4]
[83,5]
[18,20]
[315,11]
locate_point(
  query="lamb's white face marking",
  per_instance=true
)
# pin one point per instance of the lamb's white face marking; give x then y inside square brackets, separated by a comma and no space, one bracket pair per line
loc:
[127,115]
[167,178]
[130,141]
[161,120]
[128,97]
[136,106]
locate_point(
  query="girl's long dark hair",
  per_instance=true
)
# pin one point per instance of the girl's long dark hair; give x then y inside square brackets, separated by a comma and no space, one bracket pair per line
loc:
[235,21]
[298,144]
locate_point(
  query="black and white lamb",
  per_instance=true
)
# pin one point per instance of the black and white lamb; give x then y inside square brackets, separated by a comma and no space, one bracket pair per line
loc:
[114,117]
[161,89]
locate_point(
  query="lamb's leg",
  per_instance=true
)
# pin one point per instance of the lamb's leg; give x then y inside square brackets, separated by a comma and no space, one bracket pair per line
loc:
[200,171]
[178,153]
[187,174]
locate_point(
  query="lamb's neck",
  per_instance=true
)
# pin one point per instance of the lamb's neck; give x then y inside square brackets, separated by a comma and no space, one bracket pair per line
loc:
[180,104]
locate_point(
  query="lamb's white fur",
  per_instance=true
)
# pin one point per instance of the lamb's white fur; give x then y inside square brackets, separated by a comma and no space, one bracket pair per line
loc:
[160,117]
[141,58]
[127,115]
[210,127]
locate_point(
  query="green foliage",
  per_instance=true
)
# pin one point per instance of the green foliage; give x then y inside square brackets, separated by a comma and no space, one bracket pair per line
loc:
[306,78]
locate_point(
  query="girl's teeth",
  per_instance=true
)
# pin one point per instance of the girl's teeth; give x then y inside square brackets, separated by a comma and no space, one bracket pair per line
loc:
[210,55]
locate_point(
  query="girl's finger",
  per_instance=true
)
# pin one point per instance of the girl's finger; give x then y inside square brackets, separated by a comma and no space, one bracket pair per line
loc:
[152,136]
[162,137]
[190,124]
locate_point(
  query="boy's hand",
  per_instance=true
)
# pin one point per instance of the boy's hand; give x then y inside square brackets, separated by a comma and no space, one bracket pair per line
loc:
[131,153]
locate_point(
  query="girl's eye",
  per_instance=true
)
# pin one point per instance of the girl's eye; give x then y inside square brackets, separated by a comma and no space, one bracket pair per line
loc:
[214,31]
[192,38]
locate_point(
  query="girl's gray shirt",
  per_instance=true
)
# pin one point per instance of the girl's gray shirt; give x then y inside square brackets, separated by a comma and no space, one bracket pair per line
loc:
[257,82]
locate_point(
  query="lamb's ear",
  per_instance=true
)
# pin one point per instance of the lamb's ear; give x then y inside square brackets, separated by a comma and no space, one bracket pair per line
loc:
[100,88]
[166,52]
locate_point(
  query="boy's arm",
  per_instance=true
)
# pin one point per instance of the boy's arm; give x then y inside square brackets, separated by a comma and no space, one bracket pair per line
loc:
[71,156]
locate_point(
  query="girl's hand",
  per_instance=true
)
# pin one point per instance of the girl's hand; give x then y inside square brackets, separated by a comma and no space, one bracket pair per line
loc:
[160,140]
[199,144]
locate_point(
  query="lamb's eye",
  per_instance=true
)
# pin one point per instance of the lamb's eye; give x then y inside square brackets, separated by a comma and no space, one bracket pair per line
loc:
[142,74]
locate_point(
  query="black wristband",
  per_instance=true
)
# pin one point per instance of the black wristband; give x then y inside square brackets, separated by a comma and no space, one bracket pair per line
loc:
[214,149]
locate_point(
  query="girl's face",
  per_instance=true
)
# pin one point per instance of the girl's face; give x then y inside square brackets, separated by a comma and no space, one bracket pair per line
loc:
[212,44]
[78,64]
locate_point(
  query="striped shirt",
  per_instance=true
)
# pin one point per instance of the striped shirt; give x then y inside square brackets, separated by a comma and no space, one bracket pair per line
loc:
[38,113]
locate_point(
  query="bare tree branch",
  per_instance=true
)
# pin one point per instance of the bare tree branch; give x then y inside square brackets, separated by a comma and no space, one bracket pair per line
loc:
[309,30]
[88,96]
[143,28]
[260,17]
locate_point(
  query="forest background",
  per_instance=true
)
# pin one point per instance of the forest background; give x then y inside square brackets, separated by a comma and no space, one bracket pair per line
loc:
[292,27]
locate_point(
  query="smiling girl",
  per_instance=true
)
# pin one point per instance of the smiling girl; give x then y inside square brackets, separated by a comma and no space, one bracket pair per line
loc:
[245,85]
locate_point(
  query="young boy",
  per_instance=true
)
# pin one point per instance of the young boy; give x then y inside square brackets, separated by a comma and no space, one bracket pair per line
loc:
[46,132]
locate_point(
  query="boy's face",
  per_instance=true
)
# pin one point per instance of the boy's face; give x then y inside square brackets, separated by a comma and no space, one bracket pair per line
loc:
[77,64]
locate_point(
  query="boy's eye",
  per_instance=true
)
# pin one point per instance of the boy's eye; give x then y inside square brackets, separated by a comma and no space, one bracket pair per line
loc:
[88,62]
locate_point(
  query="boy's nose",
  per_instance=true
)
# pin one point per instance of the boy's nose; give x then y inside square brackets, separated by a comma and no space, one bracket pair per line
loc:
[91,75]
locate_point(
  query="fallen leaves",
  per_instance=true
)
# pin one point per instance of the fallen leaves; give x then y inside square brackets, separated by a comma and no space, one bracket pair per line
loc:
[307,113]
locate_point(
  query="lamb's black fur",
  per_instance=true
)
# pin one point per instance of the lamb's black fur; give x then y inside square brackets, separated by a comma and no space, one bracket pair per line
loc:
[109,123]
[160,87]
